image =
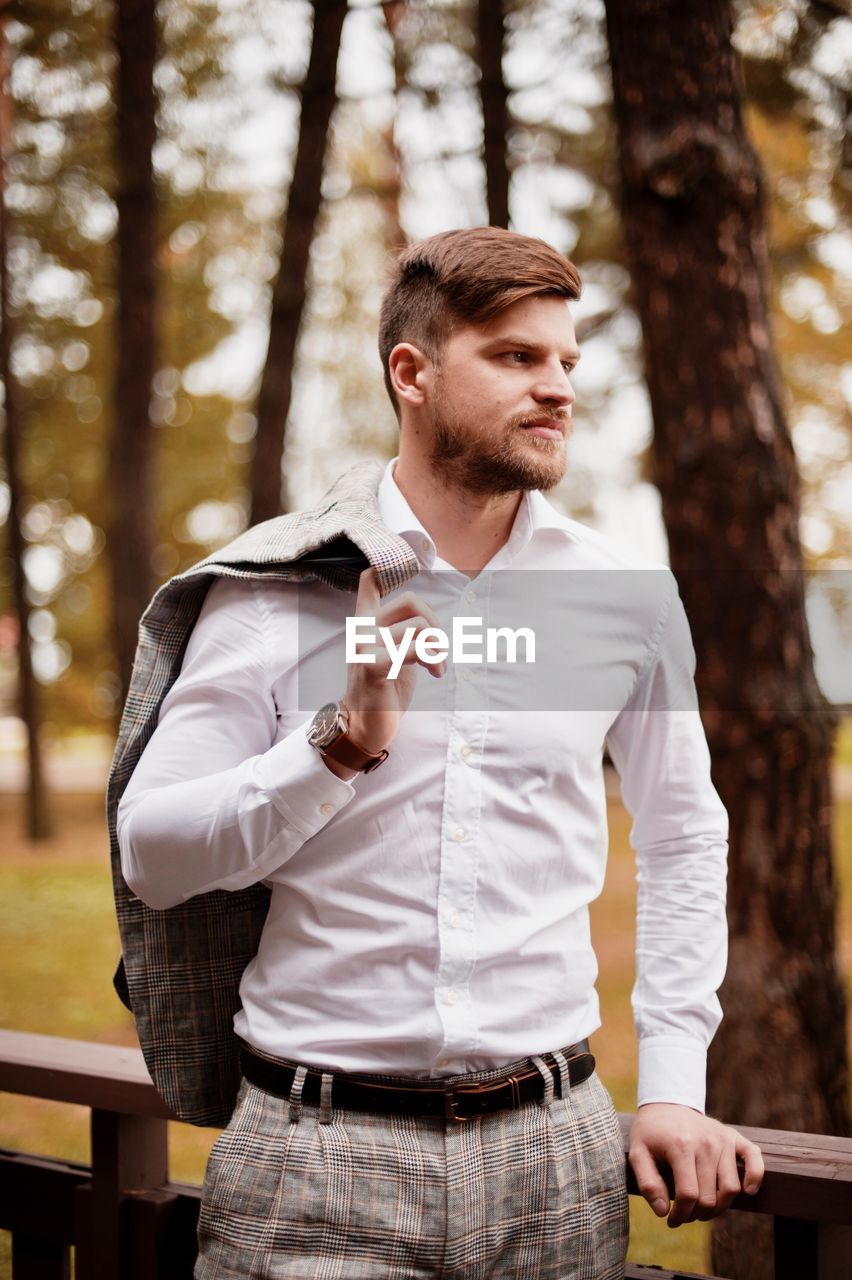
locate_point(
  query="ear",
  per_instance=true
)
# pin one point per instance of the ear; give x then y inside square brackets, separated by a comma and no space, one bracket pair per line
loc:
[409,369]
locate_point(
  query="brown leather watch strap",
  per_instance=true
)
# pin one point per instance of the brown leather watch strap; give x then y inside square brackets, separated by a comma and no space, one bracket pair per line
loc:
[348,753]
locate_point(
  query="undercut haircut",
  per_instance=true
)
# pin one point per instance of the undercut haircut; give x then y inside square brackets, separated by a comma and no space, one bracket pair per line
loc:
[465,277]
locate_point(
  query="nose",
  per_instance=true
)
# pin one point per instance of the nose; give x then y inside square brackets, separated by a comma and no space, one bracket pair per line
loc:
[554,386]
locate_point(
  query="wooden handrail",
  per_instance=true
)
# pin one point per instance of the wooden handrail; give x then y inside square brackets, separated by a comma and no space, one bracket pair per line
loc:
[807,1187]
[103,1076]
[808,1175]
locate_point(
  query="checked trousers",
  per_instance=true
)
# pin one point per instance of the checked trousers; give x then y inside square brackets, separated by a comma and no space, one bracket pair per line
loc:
[295,1192]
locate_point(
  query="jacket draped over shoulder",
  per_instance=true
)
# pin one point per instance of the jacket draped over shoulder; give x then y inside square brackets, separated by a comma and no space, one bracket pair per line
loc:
[181,968]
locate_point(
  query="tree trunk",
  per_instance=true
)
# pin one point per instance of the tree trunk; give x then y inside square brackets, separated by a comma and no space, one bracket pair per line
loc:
[39,823]
[694,222]
[39,817]
[390,192]
[490,25]
[130,462]
[288,298]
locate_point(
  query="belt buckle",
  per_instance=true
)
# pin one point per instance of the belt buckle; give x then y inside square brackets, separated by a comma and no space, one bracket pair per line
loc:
[450,1101]
[450,1105]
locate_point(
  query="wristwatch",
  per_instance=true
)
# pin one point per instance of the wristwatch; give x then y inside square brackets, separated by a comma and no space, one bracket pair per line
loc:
[329,733]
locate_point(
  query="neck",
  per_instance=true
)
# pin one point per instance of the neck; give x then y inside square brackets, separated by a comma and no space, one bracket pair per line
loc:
[467,528]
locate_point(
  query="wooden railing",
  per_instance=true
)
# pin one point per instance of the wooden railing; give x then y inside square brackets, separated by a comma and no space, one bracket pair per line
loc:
[127,1221]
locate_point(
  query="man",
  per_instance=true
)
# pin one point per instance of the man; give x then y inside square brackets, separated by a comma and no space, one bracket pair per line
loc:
[418,1098]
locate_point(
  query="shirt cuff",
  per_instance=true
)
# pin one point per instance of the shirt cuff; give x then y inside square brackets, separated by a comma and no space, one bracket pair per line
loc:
[300,784]
[672,1069]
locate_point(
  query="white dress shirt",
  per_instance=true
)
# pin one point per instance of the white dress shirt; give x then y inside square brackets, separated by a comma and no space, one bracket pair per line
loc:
[431,917]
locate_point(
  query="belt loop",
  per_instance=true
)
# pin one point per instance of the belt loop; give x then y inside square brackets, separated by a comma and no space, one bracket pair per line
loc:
[564,1071]
[547,1076]
[325,1098]
[295,1098]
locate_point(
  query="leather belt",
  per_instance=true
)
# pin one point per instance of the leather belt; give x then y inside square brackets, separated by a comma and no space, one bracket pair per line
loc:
[457,1101]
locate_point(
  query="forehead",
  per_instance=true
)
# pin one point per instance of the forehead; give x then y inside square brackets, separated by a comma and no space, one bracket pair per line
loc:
[543,318]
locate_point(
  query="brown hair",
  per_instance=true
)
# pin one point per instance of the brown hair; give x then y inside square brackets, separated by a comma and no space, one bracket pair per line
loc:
[465,277]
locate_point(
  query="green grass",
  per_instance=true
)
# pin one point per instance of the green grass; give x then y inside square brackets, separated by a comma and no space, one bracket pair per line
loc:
[843,744]
[60,945]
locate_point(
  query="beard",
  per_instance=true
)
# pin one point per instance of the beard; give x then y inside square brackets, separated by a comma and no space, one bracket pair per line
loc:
[491,463]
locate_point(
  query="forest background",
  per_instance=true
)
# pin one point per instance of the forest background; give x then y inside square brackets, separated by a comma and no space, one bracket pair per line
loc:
[176,307]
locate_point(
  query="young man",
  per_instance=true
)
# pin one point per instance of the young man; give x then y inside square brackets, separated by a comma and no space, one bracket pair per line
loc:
[418,1098]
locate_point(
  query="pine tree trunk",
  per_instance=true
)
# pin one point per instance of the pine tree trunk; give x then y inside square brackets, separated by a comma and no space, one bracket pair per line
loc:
[490,22]
[130,463]
[39,820]
[288,298]
[694,221]
[391,191]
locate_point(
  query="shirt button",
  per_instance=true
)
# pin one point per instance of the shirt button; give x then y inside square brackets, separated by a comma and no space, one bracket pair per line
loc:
[459,834]
[456,920]
[465,752]
[470,595]
[327,810]
[452,997]
[442,1062]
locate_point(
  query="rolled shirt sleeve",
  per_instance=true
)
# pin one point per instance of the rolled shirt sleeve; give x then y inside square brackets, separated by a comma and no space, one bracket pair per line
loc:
[680,836]
[215,801]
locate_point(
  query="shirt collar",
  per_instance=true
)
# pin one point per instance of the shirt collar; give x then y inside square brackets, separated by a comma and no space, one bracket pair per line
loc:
[535,519]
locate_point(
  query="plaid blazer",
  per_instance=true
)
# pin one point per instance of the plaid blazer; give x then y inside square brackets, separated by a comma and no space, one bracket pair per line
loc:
[181,968]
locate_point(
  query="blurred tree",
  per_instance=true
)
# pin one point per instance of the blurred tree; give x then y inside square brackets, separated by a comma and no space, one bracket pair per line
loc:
[39,821]
[490,30]
[693,210]
[395,14]
[62,178]
[340,385]
[131,519]
[797,75]
[58,284]
[288,298]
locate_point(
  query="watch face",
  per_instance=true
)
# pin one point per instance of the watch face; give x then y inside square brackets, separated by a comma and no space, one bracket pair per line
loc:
[324,726]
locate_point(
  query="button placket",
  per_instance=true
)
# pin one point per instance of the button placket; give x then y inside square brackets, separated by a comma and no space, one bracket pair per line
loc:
[460,845]
[457,884]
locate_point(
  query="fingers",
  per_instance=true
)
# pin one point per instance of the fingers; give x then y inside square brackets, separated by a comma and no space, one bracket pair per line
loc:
[727,1181]
[368,598]
[715,1177]
[401,621]
[687,1187]
[649,1180]
[368,603]
[702,1154]
[753,1162]
[407,608]
[404,644]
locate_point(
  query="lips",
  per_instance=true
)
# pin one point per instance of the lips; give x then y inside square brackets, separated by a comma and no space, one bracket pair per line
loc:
[547,428]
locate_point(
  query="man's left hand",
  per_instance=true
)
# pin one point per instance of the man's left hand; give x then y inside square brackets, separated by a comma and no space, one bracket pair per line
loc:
[702,1154]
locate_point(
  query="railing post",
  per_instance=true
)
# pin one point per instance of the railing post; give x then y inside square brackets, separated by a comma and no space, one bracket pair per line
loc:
[129,1153]
[818,1250]
[39,1259]
[160,1231]
[835,1250]
[796,1248]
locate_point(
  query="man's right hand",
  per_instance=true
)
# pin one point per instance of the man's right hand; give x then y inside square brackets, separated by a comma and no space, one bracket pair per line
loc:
[376,704]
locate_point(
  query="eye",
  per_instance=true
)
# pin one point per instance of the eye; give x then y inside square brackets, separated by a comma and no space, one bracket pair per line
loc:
[519,356]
